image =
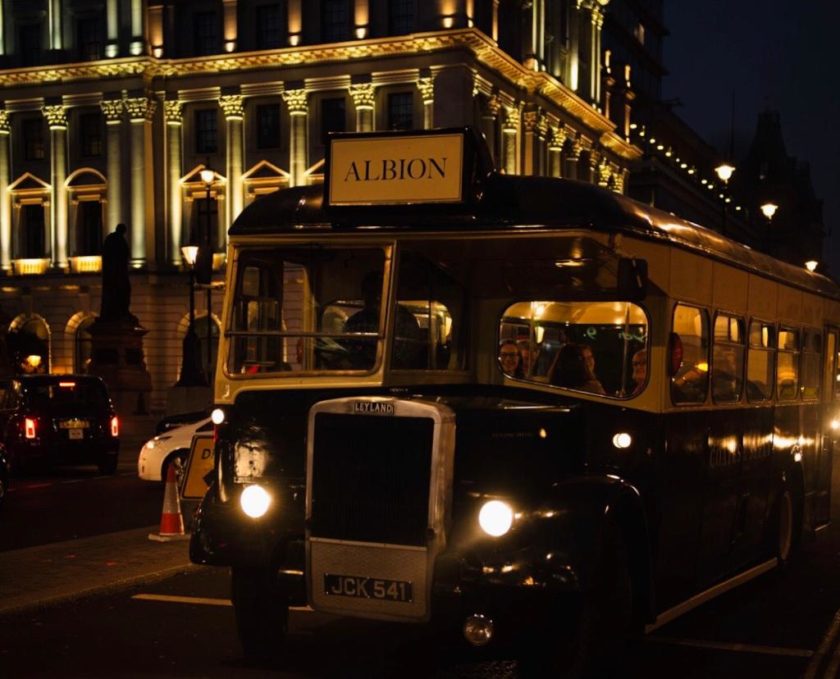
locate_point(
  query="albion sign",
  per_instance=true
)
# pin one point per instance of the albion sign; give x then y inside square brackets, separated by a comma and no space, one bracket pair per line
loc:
[396,170]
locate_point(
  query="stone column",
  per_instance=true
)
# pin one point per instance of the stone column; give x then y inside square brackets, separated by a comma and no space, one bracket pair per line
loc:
[113,112]
[137,19]
[298,103]
[231,105]
[2,27]
[510,132]
[427,93]
[572,158]
[529,124]
[489,118]
[230,29]
[363,98]
[140,113]
[555,151]
[56,116]
[595,58]
[54,24]
[112,27]
[5,198]
[174,129]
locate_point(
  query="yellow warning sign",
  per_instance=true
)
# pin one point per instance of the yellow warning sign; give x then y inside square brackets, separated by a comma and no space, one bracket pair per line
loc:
[199,463]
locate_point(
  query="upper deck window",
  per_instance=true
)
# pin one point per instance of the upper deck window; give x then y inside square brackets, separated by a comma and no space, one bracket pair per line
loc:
[597,347]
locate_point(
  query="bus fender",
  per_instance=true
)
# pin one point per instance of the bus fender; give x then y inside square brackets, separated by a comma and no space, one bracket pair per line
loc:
[589,507]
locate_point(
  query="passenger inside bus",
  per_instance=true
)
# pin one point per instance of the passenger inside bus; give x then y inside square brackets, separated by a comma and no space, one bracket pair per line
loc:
[571,370]
[510,359]
[408,348]
[639,363]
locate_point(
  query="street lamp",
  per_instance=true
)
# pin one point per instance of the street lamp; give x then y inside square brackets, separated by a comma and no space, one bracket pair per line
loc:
[207,176]
[768,209]
[812,265]
[724,172]
[192,374]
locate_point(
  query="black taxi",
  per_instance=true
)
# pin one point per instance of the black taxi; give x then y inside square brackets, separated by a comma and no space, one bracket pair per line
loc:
[54,420]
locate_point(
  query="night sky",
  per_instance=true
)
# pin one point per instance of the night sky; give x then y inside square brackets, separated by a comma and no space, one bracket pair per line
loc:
[780,54]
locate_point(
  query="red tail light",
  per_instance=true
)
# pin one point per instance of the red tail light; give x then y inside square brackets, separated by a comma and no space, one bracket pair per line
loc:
[30,427]
[115,426]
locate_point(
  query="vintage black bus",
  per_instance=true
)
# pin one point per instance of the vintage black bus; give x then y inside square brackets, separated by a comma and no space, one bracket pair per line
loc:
[659,428]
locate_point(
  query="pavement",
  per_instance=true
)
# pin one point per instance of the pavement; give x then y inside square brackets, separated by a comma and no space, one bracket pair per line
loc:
[68,570]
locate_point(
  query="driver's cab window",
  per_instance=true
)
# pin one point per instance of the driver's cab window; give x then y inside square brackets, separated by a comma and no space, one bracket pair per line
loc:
[307,308]
[594,347]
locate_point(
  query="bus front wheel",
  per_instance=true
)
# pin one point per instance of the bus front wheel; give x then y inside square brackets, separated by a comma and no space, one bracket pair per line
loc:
[261,609]
[595,644]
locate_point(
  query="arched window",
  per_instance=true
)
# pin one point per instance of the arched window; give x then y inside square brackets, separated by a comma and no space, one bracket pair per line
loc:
[29,345]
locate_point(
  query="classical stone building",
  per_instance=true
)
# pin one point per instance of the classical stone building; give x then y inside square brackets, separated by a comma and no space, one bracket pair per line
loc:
[111,108]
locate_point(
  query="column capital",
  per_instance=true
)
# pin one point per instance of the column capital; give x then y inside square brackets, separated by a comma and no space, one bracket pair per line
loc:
[112,110]
[494,104]
[297,101]
[530,120]
[173,111]
[56,115]
[427,89]
[363,95]
[5,123]
[140,109]
[231,105]
[557,137]
[513,115]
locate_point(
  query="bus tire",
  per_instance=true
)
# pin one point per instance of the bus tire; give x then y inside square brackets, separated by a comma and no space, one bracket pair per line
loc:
[788,525]
[261,610]
[595,645]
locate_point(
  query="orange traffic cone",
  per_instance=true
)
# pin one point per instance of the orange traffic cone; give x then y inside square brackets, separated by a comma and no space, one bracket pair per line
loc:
[171,520]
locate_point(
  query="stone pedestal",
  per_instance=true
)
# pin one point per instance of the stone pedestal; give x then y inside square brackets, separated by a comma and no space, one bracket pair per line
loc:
[117,357]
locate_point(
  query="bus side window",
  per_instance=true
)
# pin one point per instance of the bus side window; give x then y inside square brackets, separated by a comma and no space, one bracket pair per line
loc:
[810,364]
[691,381]
[760,361]
[787,365]
[727,359]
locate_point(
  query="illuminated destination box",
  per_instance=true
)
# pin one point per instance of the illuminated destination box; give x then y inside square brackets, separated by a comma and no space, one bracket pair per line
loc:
[396,169]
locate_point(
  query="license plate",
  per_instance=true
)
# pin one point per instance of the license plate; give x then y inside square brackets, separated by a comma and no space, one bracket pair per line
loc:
[361,587]
[73,424]
[76,433]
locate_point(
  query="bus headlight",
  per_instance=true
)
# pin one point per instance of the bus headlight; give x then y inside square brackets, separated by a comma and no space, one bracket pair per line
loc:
[255,501]
[495,518]
[622,440]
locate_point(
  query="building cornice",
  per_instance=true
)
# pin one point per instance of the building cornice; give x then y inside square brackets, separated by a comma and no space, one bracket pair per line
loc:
[484,48]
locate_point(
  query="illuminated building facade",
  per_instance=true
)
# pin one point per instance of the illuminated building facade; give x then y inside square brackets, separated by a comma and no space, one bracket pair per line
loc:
[111,108]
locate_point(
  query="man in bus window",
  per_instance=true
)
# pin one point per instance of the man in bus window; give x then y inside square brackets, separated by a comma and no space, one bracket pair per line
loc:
[409,347]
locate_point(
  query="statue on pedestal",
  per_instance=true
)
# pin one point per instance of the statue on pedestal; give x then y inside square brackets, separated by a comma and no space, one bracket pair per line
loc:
[116,287]
[117,337]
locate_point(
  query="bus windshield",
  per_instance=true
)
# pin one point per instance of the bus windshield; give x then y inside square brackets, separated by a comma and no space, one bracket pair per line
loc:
[307,307]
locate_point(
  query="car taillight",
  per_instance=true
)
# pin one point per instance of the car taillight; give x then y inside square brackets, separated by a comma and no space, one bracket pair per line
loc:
[115,426]
[30,427]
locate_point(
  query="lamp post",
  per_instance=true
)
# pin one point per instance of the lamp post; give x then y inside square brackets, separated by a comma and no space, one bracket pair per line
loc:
[207,176]
[192,374]
[768,209]
[724,173]
[812,265]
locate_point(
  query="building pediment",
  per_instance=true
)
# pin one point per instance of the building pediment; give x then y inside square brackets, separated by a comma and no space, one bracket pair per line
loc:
[29,182]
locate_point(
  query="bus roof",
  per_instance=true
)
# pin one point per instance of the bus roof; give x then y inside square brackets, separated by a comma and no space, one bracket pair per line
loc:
[509,202]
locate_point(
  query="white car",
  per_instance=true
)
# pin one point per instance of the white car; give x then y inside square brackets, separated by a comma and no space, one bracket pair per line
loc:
[171,446]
